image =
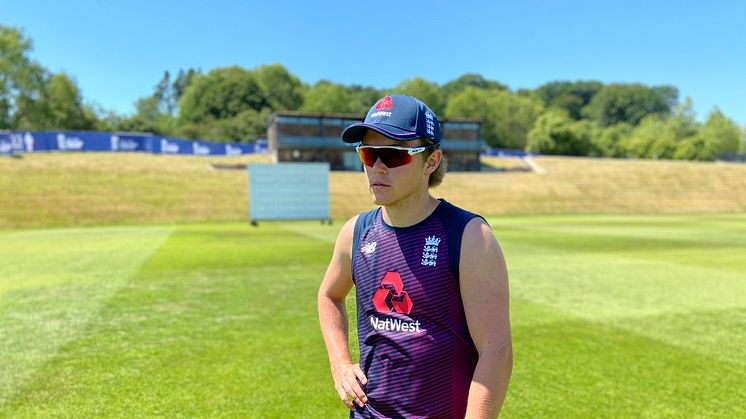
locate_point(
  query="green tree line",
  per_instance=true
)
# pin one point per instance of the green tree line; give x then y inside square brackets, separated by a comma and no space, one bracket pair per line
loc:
[580,118]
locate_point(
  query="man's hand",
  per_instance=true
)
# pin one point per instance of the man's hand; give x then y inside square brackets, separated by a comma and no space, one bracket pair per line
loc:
[347,380]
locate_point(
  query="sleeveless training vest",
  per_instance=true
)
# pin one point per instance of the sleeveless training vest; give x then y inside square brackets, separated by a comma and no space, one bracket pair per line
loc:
[415,346]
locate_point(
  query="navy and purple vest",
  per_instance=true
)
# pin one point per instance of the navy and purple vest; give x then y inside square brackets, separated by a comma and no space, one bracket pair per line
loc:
[415,346]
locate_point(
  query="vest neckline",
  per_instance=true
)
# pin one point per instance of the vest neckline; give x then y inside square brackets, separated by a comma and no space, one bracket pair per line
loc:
[432,214]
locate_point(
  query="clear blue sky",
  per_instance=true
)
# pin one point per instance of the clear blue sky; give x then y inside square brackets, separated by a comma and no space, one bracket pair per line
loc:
[117,51]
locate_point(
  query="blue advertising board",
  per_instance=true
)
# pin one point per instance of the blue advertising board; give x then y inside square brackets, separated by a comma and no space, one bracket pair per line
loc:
[13,142]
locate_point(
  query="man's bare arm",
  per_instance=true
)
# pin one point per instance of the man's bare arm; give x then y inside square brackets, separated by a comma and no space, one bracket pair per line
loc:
[484,290]
[333,319]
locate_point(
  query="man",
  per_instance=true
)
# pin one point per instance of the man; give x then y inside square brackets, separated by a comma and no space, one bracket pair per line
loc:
[430,279]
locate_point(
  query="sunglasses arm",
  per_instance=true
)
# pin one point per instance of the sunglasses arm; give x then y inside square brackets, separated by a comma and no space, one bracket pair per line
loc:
[414,150]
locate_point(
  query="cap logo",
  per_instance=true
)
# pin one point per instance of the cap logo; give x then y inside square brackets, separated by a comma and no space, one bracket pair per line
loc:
[384,104]
[430,123]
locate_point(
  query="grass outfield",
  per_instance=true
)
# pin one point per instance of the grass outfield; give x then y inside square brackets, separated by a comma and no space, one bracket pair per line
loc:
[613,316]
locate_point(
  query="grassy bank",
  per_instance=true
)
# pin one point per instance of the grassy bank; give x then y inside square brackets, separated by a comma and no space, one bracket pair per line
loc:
[59,189]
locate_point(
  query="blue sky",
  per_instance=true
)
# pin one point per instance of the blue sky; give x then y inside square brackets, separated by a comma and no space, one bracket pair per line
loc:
[117,51]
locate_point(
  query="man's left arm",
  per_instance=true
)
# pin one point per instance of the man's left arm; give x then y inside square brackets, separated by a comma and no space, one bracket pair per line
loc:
[484,291]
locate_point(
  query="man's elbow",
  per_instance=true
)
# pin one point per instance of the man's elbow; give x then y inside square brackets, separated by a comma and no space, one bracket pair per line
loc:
[504,356]
[507,362]
[501,360]
[326,297]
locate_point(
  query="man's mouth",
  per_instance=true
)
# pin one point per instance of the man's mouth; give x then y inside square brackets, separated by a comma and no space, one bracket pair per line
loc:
[378,185]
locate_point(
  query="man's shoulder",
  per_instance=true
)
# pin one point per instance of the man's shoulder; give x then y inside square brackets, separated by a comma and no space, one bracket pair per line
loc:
[364,221]
[456,211]
[356,227]
[344,237]
[456,217]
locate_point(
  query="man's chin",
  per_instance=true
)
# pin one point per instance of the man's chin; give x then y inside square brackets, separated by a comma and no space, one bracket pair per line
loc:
[380,199]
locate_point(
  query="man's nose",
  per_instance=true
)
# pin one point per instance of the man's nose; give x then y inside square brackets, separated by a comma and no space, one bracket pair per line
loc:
[378,166]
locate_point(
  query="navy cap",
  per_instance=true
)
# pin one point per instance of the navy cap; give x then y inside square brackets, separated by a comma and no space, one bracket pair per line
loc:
[399,117]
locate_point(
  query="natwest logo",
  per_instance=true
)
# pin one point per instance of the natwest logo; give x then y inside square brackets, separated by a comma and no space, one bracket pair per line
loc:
[391,296]
[384,104]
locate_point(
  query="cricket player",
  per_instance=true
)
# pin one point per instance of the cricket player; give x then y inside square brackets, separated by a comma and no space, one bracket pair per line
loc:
[430,280]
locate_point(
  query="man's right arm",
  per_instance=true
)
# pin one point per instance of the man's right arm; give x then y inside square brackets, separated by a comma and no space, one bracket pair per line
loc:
[333,318]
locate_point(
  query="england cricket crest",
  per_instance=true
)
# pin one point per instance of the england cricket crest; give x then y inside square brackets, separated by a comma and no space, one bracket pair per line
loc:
[430,251]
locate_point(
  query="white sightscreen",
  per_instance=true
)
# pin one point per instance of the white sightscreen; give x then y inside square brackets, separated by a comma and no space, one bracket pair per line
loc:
[288,191]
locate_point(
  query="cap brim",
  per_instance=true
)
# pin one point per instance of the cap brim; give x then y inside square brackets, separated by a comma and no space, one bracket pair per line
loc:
[355,132]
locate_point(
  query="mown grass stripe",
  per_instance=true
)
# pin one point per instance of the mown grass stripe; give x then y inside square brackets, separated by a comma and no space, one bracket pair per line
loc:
[52,284]
[226,339]
[619,284]
[579,368]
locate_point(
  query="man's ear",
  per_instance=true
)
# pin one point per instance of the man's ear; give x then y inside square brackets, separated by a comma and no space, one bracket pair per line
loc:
[433,161]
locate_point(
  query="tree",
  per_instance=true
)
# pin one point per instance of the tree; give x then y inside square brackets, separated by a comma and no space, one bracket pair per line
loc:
[326,96]
[220,94]
[181,82]
[65,105]
[148,117]
[213,105]
[423,90]
[569,96]
[59,106]
[363,97]
[670,95]
[629,103]
[247,126]
[506,118]
[689,148]
[156,113]
[607,141]
[658,137]
[164,95]
[556,133]
[718,137]
[470,79]
[683,119]
[21,79]
[283,90]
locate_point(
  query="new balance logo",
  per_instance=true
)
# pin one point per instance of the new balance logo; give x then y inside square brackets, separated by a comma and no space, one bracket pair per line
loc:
[368,248]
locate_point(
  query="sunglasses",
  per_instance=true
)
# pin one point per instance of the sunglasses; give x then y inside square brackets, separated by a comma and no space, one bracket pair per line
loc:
[390,155]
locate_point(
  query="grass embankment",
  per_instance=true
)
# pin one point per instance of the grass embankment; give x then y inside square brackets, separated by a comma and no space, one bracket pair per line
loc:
[59,189]
[613,316]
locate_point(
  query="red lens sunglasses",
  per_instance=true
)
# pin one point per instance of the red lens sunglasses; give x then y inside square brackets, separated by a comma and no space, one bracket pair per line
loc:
[390,155]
